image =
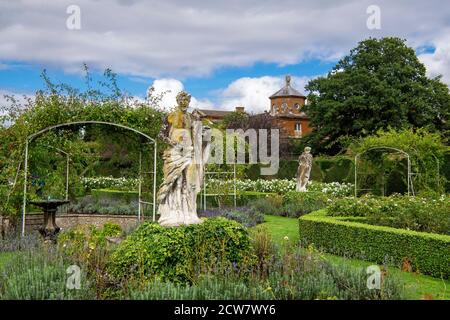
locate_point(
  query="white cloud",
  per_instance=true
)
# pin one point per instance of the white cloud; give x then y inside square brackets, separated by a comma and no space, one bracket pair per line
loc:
[253,93]
[438,62]
[175,39]
[170,88]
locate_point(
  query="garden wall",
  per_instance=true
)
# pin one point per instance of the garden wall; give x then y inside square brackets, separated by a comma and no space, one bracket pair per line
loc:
[428,253]
[65,221]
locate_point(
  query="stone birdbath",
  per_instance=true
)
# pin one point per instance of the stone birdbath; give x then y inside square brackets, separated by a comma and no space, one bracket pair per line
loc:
[49,230]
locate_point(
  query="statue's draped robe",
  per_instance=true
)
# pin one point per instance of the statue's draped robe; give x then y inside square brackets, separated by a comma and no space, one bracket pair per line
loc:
[183,175]
[304,170]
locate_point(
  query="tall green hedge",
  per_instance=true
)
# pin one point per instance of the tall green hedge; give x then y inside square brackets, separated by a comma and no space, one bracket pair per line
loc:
[324,169]
[428,253]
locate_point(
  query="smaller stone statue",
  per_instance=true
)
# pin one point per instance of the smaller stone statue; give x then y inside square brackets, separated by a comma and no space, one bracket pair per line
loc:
[304,169]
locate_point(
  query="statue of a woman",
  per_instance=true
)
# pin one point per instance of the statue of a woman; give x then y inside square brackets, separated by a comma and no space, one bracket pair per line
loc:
[184,161]
[304,169]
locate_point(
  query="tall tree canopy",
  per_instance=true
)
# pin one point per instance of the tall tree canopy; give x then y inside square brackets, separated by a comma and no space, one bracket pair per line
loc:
[380,84]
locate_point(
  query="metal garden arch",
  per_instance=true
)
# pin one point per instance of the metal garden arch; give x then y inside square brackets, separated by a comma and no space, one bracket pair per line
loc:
[409,181]
[30,138]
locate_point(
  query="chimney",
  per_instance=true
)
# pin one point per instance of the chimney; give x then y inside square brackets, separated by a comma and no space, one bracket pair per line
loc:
[240,109]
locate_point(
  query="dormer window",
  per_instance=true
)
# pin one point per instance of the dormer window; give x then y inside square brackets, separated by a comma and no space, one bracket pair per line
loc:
[296,107]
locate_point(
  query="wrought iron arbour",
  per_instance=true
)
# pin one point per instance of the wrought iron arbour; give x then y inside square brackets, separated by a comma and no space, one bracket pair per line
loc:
[409,174]
[151,140]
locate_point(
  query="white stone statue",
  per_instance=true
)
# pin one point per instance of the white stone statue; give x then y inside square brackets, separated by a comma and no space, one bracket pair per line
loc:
[184,161]
[304,169]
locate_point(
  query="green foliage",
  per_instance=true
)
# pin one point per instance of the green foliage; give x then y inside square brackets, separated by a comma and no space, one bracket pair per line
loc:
[81,243]
[290,274]
[60,103]
[88,248]
[324,169]
[114,195]
[271,204]
[247,216]
[381,83]
[426,151]
[426,252]
[180,254]
[235,120]
[445,171]
[292,204]
[40,276]
[296,204]
[413,213]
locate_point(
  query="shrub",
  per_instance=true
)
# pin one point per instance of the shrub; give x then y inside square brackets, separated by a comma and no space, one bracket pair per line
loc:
[16,242]
[88,248]
[268,205]
[81,242]
[289,275]
[291,204]
[39,275]
[264,248]
[428,253]
[244,215]
[296,204]
[114,203]
[110,195]
[413,213]
[179,254]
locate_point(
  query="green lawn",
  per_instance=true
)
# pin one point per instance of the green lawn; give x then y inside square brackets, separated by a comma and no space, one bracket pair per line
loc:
[416,286]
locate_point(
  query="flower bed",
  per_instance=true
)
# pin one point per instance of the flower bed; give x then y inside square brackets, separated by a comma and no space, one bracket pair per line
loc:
[412,213]
[90,183]
[281,186]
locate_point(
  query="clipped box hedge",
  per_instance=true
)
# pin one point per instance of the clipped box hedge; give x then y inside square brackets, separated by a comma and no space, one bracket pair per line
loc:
[114,195]
[428,253]
[242,198]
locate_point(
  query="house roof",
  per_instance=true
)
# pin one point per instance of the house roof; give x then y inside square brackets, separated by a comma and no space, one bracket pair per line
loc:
[287,90]
[213,113]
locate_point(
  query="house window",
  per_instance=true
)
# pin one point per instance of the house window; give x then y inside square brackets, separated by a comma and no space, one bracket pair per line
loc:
[274,109]
[297,106]
[298,129]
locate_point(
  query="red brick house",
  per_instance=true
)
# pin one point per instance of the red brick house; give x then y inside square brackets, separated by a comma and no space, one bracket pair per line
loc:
[286,106]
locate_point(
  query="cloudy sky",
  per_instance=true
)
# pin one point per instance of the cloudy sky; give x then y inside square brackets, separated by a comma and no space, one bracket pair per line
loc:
[226,53]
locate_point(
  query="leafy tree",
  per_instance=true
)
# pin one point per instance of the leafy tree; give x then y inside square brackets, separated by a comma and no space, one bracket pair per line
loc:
[380,84]
[235,120]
